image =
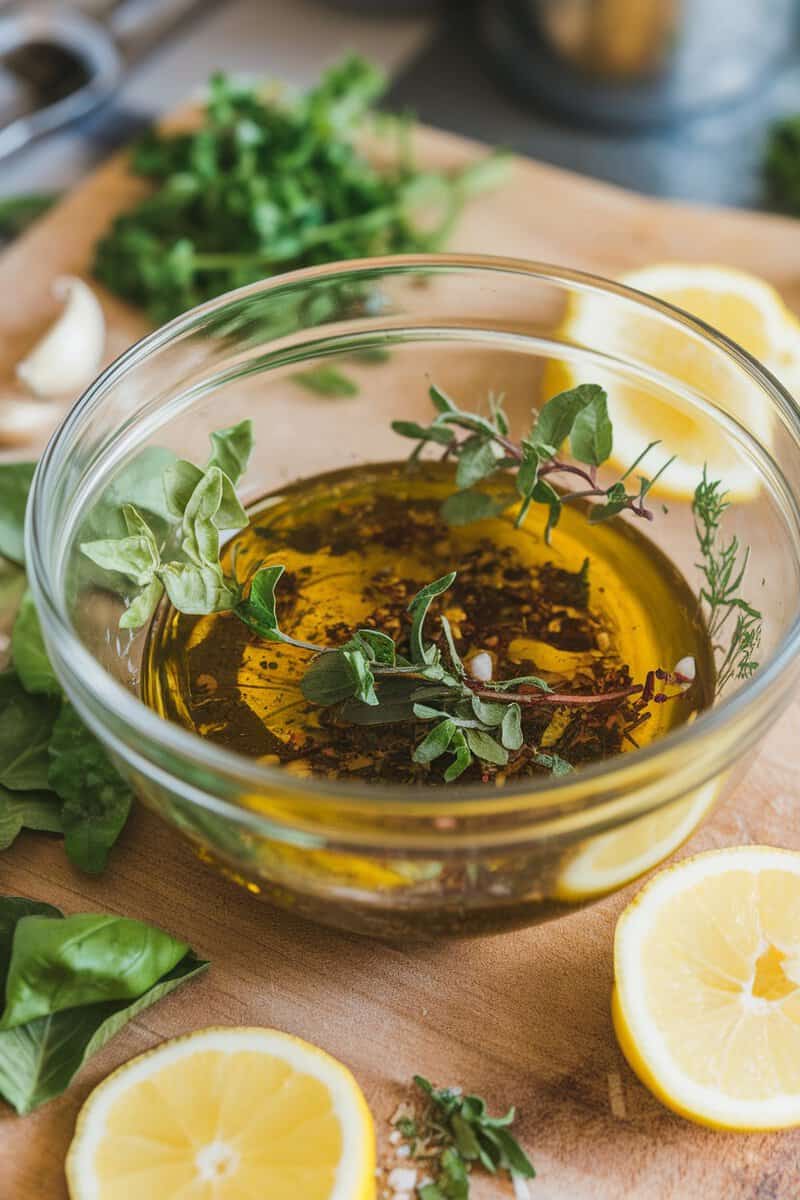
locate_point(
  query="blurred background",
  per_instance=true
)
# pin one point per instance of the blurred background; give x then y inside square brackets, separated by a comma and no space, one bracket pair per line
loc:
[672,97]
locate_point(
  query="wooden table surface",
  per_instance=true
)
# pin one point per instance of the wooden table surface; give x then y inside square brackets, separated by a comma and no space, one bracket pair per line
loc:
[521,1018]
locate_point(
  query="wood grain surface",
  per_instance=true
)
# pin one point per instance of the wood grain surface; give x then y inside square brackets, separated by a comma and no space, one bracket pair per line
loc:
[521,1018]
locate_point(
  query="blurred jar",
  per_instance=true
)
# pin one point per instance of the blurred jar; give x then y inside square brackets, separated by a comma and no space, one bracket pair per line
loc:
[637,62]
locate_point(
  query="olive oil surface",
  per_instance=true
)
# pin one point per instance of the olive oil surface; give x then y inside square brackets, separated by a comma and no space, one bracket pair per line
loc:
[592,612]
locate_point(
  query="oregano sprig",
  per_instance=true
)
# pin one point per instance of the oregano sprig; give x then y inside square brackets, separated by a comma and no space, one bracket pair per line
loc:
[579,416]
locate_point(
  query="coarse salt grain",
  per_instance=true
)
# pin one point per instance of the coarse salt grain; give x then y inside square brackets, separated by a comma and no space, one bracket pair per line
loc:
[395,1136]
[403,1179]
[403,1151]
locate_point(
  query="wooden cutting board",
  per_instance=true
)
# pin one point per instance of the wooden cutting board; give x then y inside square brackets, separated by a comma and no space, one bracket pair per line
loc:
[521,1018]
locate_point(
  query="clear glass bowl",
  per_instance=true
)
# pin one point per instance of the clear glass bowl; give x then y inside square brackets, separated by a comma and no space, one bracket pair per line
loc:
[399,861]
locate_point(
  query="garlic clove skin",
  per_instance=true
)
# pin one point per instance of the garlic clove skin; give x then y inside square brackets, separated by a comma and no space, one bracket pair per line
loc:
[69,354]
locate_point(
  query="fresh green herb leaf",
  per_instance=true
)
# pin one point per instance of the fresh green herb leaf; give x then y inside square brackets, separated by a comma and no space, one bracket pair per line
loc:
[436,742]
[462,508]
[326,381]
[486,748]
[231,449]
[266,184]
[27,810]
[476,460]
[71,984]
[557,417]
[462,756]
[26,723]
[28,652]
[82,959]
[418,608]
[723,566]
[511,728]
[198,589]
[782,164]
[591,437]
[96,801]
[15,483]
[554,764]
[18,212]
[430,433]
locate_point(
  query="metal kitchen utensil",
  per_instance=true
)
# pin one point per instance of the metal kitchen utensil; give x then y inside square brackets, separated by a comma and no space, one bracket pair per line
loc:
[634,63]
[58,64]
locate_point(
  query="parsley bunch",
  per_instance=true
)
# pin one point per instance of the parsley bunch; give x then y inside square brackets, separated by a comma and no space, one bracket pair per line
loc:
[266,185]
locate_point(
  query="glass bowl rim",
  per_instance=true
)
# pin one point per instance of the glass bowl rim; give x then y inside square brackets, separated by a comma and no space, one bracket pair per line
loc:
[148,727]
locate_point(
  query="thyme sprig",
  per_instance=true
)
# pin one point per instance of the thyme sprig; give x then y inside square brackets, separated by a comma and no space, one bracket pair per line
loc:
[579,415]
[723,565]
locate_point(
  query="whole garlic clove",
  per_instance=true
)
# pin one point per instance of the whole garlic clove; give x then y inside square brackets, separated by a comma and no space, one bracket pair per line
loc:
[69,355]
[22,421]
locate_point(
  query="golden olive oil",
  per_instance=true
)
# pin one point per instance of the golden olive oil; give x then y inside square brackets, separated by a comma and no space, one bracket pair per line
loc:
[591,613]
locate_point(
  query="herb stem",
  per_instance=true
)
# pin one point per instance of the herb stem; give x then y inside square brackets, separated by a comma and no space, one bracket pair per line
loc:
[557,698]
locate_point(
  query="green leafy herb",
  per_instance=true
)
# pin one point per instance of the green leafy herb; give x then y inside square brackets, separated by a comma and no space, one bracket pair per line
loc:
[723,565]
[782,164]
[29,654]
[70,984]
[268,184]
[15,483]
[457,1133]
[326,381]
[26,724]
[27,810]
[96,801]
[579,415]
[18,212]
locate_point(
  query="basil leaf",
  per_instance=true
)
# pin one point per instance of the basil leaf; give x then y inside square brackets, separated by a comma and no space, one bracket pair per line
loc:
[476,460]
[83,959]
[231,449]
[511,727]
[464,507]
[15,483]
[25,726]
[258,611]
[27,810]
[591,438]
[12,910]
[28,652]
[38,1060]
[418,608]
[557,417]
[96,799]
[436,742]
[484,746]
[198,589]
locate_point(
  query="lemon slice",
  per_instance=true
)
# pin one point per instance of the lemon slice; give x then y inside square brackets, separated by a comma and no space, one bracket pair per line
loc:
[225,1114]
[707,997]
[745,309]
[609,860]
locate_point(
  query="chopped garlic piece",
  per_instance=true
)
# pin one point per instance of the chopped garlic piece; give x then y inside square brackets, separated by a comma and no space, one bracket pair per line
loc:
[481,667]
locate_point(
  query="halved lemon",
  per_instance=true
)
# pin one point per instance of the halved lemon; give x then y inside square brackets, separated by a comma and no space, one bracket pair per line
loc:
[225,1114]
[745,309]
[707,987]
[607,861]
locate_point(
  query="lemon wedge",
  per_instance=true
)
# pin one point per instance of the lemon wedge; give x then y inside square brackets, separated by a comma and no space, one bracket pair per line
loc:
[745,309]
[707,987]
[606,861]
[225,1114]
